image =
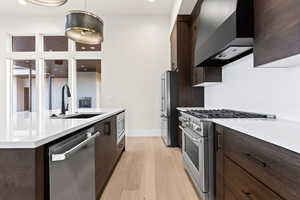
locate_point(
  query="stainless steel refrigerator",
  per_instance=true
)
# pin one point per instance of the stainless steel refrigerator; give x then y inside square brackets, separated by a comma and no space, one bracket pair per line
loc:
[169,102]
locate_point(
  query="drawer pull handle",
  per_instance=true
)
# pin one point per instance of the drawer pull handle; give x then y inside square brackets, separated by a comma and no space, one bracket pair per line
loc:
[219,146]
[259,162]
[248,195]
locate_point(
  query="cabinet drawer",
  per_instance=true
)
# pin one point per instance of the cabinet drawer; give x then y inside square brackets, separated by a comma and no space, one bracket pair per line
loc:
[241,186]
[276,167]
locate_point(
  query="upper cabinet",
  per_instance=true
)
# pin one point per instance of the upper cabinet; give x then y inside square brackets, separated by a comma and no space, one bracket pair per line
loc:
[277,31]
[181,44]
[269,28]
[181,61]
[206,76]
[201,76]
[225,32]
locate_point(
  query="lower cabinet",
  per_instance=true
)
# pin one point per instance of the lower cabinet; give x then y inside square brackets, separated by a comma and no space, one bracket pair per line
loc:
[219,162]
[240,185]
[251,169]
[107,152]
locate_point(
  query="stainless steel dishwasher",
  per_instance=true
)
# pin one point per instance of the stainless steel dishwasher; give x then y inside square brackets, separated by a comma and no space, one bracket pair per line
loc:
[72,167]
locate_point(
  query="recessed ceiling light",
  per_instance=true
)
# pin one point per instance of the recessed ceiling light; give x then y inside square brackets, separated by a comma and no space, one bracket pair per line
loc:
[22,2]
[83,48]
[151,1]
[93,48]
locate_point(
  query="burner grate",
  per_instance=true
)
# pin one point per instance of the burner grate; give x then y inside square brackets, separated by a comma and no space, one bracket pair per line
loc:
[224,113]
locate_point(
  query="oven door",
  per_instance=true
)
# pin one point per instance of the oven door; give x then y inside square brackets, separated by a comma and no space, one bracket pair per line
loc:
[195,156]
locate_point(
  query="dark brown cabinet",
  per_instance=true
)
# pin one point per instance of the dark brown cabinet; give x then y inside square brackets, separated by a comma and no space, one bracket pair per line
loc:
[219,162]
[247,167]
[201,76]
[181,61]
[107,152]
[240,185]
[206,75]
[22,174]
[277,30]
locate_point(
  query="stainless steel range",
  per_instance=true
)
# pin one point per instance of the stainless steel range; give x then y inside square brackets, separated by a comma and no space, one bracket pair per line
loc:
[198,145]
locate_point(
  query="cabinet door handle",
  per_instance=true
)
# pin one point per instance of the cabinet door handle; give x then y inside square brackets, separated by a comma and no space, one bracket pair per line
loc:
[248,195]
[107,128]
[219,143]
[258,161]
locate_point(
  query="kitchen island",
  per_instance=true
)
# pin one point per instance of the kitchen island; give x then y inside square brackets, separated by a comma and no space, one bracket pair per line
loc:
[25,142]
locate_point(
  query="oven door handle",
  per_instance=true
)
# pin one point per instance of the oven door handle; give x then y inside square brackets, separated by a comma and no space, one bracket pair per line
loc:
[195,139]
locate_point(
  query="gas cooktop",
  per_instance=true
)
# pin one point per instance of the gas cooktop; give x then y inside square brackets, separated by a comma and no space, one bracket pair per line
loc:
[224,113]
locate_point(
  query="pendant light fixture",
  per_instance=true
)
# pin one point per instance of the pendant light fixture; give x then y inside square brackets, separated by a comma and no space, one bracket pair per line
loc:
[84,27]
[49,3]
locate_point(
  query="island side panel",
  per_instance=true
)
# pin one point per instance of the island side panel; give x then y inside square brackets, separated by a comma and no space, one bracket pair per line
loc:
[22,174]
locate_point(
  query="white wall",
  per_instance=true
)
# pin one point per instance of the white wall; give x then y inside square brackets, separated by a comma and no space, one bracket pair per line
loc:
[135,53]
[268,90]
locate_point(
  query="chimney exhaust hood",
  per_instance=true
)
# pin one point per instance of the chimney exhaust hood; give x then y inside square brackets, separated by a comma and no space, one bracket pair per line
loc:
[225,32]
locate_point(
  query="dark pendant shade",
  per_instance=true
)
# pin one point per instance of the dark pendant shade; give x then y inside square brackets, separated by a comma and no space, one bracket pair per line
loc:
[84,27]
[50,3]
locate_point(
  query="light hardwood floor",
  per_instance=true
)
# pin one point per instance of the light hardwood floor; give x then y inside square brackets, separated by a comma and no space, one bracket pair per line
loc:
[149,171]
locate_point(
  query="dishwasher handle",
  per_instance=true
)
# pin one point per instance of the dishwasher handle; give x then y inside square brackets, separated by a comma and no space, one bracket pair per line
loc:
[68,153]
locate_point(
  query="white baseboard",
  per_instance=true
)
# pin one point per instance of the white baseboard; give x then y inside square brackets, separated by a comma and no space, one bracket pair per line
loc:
[143,133]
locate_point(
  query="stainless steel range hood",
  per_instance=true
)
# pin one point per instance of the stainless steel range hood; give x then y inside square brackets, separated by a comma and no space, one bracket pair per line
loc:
[225,32]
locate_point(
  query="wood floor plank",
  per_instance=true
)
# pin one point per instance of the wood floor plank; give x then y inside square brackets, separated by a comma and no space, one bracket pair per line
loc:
[149,171]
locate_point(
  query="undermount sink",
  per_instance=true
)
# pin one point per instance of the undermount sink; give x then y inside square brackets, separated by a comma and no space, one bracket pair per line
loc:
[77,116]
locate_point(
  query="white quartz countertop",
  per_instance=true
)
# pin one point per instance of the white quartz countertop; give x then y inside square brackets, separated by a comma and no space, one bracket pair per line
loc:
[27,130]
[279,132]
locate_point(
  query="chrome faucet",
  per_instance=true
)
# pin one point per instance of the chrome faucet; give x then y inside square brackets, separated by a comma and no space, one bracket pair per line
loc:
[65,108]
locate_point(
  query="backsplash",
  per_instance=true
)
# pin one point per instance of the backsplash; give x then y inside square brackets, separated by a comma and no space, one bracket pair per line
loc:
[266,90]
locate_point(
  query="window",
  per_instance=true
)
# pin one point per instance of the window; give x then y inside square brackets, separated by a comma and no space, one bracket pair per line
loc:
[88,83]
[23,43]
[40,65]
[56,76]
[24,85]
[55,43]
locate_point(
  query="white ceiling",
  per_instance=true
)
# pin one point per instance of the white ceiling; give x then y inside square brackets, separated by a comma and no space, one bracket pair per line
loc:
[103,7]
